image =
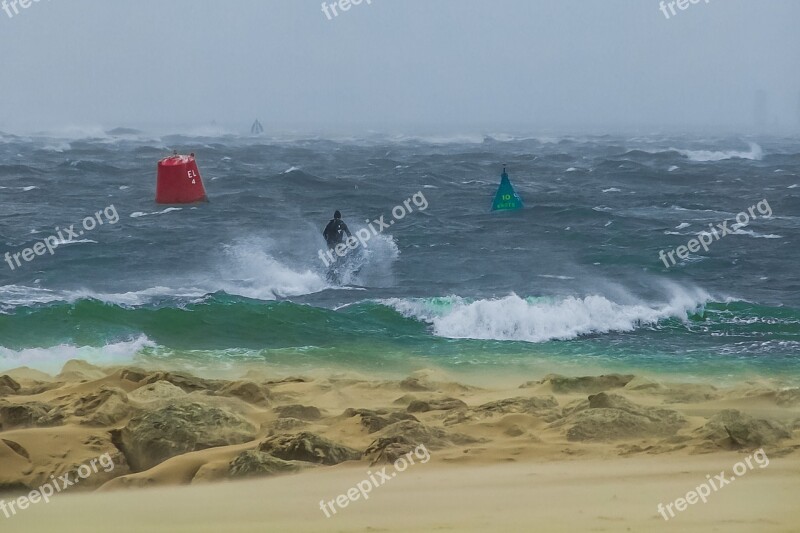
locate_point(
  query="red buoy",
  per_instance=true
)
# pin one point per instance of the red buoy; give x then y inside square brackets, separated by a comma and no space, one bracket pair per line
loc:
[179,181]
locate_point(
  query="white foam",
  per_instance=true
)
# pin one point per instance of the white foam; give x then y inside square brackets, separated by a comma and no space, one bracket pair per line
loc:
[139,214]
[52,359]
[755,153]
[755,235]
[251,271]
[542,319]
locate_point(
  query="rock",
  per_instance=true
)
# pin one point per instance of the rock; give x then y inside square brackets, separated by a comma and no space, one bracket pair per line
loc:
[258,464]
[588,384]
[377,420]
[32,414]
[459,416]
[388,449]
[308,447]
[248,391]
[8,386]
[608,417]
[185,382]
[446,404]
[534,405]
[431,437]
[155,436]
[608,425]
[283,425]
[668,417]
[301,412]
[135,375]
[733,429]
[105,407]
[160,390]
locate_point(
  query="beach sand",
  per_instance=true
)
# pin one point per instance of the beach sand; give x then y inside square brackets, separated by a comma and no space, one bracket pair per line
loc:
[260,452]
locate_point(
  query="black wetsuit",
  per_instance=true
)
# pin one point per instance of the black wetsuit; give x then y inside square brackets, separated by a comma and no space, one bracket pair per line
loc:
[334,232]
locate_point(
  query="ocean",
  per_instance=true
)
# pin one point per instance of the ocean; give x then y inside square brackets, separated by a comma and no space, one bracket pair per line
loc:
[574,283]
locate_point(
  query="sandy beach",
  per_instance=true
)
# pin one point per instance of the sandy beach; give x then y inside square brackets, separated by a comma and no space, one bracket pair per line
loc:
[168,451]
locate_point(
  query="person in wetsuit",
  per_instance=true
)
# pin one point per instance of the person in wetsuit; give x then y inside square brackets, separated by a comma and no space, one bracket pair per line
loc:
[335,231]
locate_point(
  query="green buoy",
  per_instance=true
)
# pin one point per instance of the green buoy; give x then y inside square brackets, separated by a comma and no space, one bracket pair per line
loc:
[506,198]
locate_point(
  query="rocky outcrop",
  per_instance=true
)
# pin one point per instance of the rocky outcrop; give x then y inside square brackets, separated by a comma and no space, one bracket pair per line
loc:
[732,429]
[308,447]
[247,391]
[105,407]
[185,382]
[301,412]
[28,415]
[259,464]
[374,421]
[388,449]
[534,405]
[446,404]
[418,433]
[8,386]
[609,417]
[158,391]
[588,384]
[153,437]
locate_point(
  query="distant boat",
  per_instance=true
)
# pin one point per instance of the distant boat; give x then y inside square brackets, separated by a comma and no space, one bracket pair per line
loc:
[257,128]
[506,198]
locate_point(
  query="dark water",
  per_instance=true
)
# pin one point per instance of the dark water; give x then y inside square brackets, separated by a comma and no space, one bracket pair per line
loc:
[573,282]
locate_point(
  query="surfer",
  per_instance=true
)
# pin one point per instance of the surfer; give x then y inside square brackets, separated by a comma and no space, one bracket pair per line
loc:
[335,230]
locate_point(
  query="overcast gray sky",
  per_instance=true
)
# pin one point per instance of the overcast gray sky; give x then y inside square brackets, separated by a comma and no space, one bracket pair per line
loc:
[399,65]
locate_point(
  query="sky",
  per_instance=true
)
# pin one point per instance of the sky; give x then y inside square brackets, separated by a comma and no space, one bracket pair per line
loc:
[400,65]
